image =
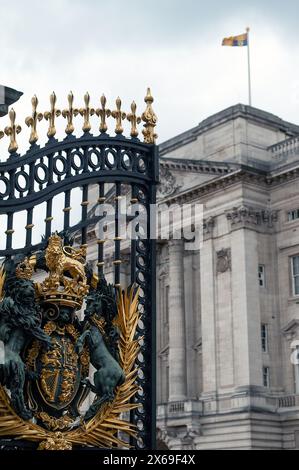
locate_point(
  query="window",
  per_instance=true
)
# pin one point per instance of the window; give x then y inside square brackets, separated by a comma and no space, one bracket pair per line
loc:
[296,367]
[295,274]
[293,215]
[261,274]
[264,337]
[266,377]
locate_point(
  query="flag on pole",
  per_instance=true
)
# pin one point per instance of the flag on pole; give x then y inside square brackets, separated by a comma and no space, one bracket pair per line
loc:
[239,41]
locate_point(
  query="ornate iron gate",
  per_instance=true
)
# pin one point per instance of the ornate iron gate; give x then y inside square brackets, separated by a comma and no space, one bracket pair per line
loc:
[28,180]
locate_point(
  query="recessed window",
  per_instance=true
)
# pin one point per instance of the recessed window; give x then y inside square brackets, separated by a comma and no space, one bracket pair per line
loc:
[293,215]
[261,275]
[264,337]
[296,367]
[295,274]
[266,377]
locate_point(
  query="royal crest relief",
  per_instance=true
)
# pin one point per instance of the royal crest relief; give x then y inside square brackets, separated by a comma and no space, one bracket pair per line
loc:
[45,379]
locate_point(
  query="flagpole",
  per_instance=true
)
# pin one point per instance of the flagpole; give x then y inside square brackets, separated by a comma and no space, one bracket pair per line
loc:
[249,75]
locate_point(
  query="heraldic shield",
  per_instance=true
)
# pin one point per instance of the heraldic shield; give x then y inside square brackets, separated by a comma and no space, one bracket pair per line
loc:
[59,369]
[49,350]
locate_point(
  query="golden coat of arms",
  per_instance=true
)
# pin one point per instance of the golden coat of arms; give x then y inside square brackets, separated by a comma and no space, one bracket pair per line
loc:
[46,380]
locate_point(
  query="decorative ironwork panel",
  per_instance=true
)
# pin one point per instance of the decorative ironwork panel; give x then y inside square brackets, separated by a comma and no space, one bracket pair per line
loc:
[108,164]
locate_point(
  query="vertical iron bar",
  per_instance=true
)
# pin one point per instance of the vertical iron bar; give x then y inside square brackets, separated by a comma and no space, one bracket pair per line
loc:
[9,230]
[29,226]
[151,311]
[100,241]
[67,208]
[84,205]
[48,218]
[134,200]
[117,239]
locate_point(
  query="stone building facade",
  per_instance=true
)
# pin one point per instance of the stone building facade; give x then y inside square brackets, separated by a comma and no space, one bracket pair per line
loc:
[228,313]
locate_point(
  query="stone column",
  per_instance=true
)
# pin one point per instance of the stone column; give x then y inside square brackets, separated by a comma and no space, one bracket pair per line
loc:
[245,295]
[177,335]
[207,281]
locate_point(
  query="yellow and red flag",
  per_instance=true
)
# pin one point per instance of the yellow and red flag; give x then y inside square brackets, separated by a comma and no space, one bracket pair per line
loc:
[238,41]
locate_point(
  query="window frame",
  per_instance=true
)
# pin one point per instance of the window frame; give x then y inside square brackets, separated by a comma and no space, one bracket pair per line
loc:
[263,275]
[266,368]
[293,276]
[266,329]
[290,213]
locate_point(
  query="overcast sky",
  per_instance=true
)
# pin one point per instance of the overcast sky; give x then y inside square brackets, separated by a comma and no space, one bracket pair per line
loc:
[174,46]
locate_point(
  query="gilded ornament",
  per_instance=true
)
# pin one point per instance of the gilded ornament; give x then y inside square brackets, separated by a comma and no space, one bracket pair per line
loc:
[12,131]
[86,112]
[134,120]
[150,120]
[69,114]
[59,351]
[55,442]
[103,113]
[119,116]
[51,115]
[31,121]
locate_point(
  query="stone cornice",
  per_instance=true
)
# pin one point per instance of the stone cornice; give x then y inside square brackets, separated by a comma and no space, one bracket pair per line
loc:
[281,175]
[199,166]
[216,184]
[244,173]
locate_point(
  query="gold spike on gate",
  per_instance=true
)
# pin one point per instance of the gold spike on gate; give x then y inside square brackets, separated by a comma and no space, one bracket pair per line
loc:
[103,113]
[69,114]
[134,120]
[31,121]
[12,131]
[51,115]
[150,119]
[119,116]
[86,113]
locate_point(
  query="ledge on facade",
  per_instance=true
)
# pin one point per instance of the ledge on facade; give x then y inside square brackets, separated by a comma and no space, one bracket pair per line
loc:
[201,166]
[179,409]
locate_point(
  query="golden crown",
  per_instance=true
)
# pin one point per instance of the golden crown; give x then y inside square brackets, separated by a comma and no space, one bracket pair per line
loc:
[25,269]
[66,283]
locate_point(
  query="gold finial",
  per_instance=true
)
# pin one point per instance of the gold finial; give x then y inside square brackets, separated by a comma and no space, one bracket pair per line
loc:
[69,114]
[86,112]
[134,120]
[50,116]
[103,113]
[12,131]
[119,116]
[150,120]
[33,119]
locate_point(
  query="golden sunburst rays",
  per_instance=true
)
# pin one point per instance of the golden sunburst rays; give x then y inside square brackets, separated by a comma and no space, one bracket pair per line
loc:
[102,430]
[2,281]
